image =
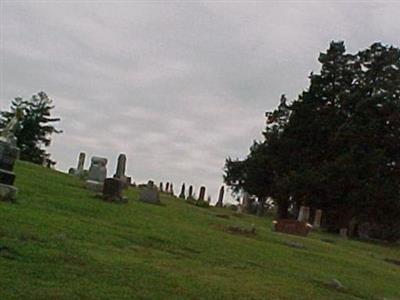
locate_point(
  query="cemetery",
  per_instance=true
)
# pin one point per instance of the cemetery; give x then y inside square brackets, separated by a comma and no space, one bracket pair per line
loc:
[199,150]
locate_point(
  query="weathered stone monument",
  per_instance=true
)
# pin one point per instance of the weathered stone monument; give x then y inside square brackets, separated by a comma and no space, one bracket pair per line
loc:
[209,199]
[9,153]
[171,189]
[245,202]
[202,193]
[304,214]
[167,187]
[112,190]
[149,193]
[80,168]
[190,192]
[220,202]
[290,226]
[317,219]
[97,174]
[120,171]
[182,193]
[343,233]
[161,187]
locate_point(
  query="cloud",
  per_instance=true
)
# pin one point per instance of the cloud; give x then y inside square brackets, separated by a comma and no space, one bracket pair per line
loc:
[178,87]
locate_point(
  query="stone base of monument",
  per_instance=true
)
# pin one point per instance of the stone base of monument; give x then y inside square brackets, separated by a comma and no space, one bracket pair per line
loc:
[94,186]
[291,226]
[112,190]
[8,193]
[149,195]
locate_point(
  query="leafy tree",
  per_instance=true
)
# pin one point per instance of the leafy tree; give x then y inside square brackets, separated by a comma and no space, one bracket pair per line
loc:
[338,148]
[34,130]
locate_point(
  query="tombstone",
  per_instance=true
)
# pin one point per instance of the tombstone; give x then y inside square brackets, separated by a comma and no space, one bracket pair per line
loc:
[97,174]
[182,193]
[120,171]
[209,199]
[171,189]
[81,162]
[246,201]
[167,187]
[220,202]
[343,233]
[9,153]
[161,187]
[121,166]
[149,193]
[112,190]
[317,219]
[190,192]
[202,193]
[290,226]
[304,214]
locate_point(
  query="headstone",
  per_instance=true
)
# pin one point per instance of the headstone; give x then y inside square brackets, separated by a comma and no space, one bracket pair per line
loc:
[209,199]
[121,166]
[343,233]
[171,189]
[317,219]
[291,226]
[182,193]
[202,193]
[161,187]
[112,190]
[81,162]
[220,202]
[246,202]
[97,174]
[190,192]
[149,193]
[167,187]
[304,214]
[9,153]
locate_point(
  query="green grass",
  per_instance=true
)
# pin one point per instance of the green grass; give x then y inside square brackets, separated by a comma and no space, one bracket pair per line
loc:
[60,242]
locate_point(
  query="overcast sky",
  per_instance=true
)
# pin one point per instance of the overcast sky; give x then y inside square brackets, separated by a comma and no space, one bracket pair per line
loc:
[176,86]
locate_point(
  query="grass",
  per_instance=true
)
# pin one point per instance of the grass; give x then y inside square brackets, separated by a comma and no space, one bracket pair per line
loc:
[60,242]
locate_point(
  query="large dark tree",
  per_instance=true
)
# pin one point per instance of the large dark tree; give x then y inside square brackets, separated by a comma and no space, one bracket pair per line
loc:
[339,149]
[35,129]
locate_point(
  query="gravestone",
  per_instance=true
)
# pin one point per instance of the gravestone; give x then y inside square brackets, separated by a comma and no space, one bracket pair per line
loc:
[149,193]
[120,171]
[182,193]
[202,193]
[97,174]
[220,202]
[317,219]
[161,187]
[9,152]
[190,192]
[291,226]
[246,202]
[167,187]
[209,199]
[112,190]
[304,214]
[80,168]
[171,189]
[343,233]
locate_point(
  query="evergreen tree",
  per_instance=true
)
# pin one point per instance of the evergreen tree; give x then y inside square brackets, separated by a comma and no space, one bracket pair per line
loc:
[34,130]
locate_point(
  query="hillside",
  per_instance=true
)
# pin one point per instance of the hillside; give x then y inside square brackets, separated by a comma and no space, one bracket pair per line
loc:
[60,242]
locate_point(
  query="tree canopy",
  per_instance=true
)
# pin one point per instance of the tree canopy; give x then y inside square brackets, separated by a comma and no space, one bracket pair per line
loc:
[35,129]
[336,147]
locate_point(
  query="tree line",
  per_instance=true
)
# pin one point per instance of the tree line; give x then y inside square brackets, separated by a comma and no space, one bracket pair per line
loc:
[336,147]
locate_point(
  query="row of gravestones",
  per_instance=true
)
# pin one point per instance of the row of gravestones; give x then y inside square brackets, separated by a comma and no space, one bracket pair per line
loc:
[111,188]
[169,188]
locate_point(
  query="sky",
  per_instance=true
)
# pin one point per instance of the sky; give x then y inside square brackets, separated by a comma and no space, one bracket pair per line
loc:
[176,86]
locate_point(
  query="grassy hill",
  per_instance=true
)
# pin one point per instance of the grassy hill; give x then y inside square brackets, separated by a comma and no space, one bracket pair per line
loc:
[60,242]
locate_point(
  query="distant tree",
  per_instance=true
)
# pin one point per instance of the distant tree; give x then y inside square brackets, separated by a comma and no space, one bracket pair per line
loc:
[34,130]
